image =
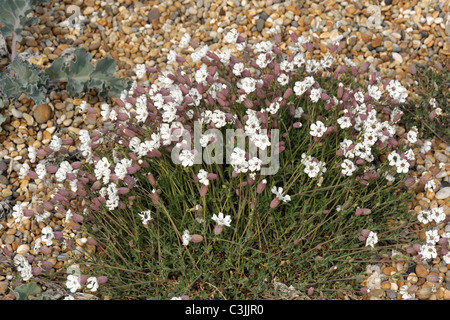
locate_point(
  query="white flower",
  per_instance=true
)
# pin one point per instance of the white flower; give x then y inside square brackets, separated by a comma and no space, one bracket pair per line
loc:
[56,143]
[113,197]
[238,68]
[344,122]
[92,284]
[315,94]
[17,213]
[40,170]
[225,56]
[23,171]
[432,236]
[69,297]
[184,42]
[430,185]
[317,129]
[73,283]
[146,216]
[348,167]
[426,147]
[247,84]
[428,251]
[186,237]
[374,92]
[393,158]
[372,239]
[231,36]
[140,71]
[424,216]
[32,154]
[47,235]
[283,79]
[412,136]
[23,267]
[121,168]
[221,220]
[402,166]
[279,194]
[438,214]
[187,158]
[171,57]
[397,91]
[447,258]
[203,177]
[405,294]
[299,112]
[254,164]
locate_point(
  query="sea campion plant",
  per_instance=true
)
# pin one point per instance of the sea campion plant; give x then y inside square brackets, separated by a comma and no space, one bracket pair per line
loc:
[222,229]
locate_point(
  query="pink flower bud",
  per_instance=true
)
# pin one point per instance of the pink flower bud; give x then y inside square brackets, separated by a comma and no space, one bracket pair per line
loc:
[203,190]
[76,227]
[120,102]
[409,182]
[82,280]
[196,238]
[45,250]
[310,291]
[77,218]
[180,59]
[260,187]
[297,125]
[102,279]
[275,202]
[35,271]
[92,242]
[218,229]
[361,238]
[28,212]
[46,265]
[58,235]
[51,169]
[358,211]
[365,232]
[212,176]
[417,247]
[436,171]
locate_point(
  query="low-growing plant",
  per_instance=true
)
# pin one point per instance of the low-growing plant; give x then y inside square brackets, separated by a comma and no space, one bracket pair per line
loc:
[429,110]
[23,77]
[181,198]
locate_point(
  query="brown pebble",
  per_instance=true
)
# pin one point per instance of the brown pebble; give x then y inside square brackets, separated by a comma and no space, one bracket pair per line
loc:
[421,271]
[42,113]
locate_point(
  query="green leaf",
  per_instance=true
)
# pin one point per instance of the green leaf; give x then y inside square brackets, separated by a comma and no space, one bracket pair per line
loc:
[82,75]
[28,289]
[13,15]
[27,79]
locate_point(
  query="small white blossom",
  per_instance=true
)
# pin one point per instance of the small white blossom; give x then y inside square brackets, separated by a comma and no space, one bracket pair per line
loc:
[73,283]
[221,220]
[372,239]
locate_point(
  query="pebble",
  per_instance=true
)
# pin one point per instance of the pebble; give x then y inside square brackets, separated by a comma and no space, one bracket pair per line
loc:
[397,57]
[443,193]
[42,113]
[28,118]
[424,293]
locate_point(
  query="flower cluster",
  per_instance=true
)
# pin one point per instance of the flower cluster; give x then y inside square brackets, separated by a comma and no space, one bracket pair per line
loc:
[256,93]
